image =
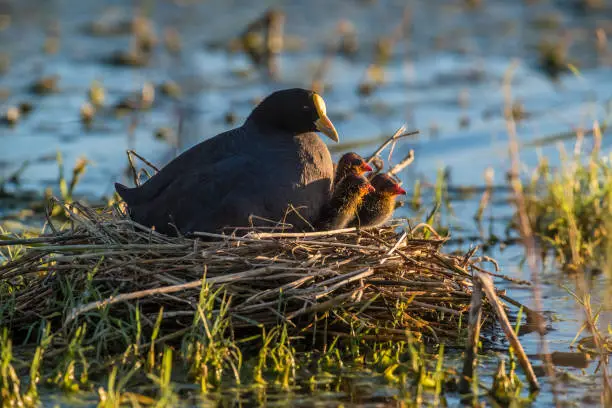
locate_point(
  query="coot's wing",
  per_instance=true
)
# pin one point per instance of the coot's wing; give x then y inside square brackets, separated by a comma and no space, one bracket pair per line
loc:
[201,156]
[290,178]
[203,199]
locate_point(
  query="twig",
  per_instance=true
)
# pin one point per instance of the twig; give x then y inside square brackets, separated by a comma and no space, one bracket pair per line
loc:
[126,247]
[283,235]
[434,307]
[6,241]
[168,289]
[318,307]
[471,350]
[301,234]
[406,161]
[399,133]
[489,290]
[364,273]
[128,296]
[524,225]
[148,163]
[428,227]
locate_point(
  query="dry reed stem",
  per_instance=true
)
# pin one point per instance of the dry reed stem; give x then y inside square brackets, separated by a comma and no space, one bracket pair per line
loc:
[74,313]
[399,133]
[471,350]
[525,227]
[489,289]
[405,162]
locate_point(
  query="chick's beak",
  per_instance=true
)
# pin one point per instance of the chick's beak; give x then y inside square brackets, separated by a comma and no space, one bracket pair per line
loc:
[370,189]
[399,190]
[324,125]
[366,167]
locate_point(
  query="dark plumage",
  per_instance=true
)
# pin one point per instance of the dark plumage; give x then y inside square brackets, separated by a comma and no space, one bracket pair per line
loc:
[351,163]
[274,159]
[378,206]
[343,205]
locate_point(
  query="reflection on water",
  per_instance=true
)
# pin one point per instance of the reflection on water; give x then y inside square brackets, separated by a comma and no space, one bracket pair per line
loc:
[444,78]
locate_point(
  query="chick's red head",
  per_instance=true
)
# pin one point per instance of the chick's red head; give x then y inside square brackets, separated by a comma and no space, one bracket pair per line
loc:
[353,164]
[386,184]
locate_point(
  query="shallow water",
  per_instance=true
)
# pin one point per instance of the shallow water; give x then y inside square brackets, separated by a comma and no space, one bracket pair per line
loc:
[445,79]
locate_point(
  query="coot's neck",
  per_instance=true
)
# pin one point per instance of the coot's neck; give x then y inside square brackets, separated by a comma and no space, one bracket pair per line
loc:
[271,123]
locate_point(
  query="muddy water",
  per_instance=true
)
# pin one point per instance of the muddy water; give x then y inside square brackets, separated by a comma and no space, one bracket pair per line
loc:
[445,78]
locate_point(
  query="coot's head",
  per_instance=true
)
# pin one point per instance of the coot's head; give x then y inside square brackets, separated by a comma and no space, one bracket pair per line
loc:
[387,185]
[351,163]
[294,111]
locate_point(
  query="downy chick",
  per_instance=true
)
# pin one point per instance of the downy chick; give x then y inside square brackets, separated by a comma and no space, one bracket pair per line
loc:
[377,207]
[350,163]
[345,201]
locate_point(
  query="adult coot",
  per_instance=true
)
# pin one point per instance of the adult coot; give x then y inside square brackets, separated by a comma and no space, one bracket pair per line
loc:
[344,203]
[272,161]
[378,206]
[350,163]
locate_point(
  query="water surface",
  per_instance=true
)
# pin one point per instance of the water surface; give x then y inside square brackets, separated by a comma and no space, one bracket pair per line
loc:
[445,79]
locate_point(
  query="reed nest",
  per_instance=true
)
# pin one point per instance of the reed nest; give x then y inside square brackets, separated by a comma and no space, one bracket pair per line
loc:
[376,283]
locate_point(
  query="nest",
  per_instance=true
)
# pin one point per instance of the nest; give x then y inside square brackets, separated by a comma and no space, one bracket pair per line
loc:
[378,283]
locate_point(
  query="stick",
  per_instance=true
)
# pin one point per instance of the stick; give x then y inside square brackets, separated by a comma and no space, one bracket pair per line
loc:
[406,161]
[487,285]
[524,224]
[317,307]
[227,237]
[284,235]
[363,274]
[148,163]
[6,241]
[302,234]
[166,289]
[427,227]
[399,133]
[129,296]
[386,143]
[434,307]
[471,350]
[87,247]
[393,248]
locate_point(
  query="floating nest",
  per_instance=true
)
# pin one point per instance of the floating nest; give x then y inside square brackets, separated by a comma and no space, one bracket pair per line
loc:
[379,284]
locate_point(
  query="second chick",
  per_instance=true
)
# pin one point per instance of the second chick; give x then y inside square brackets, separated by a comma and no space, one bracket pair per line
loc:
[377,207]
[346,199]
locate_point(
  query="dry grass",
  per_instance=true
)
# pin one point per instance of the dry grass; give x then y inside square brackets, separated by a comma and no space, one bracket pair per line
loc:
[377,283]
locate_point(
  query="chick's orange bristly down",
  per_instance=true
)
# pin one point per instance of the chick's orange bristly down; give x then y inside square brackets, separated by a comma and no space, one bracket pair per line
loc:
[351,163]
[345,201]
[377,207]
[274,160]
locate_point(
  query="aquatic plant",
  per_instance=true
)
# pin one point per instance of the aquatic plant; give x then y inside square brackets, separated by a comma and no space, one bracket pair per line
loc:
[570,206]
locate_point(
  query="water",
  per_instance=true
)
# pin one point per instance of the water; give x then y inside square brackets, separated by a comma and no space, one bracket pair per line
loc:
[445,79]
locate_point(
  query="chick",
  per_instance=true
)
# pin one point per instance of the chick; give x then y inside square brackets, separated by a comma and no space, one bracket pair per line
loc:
[350,163]
[345,201]
[377,207]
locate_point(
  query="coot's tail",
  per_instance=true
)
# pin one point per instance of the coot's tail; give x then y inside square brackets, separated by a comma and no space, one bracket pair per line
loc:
[124,192]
